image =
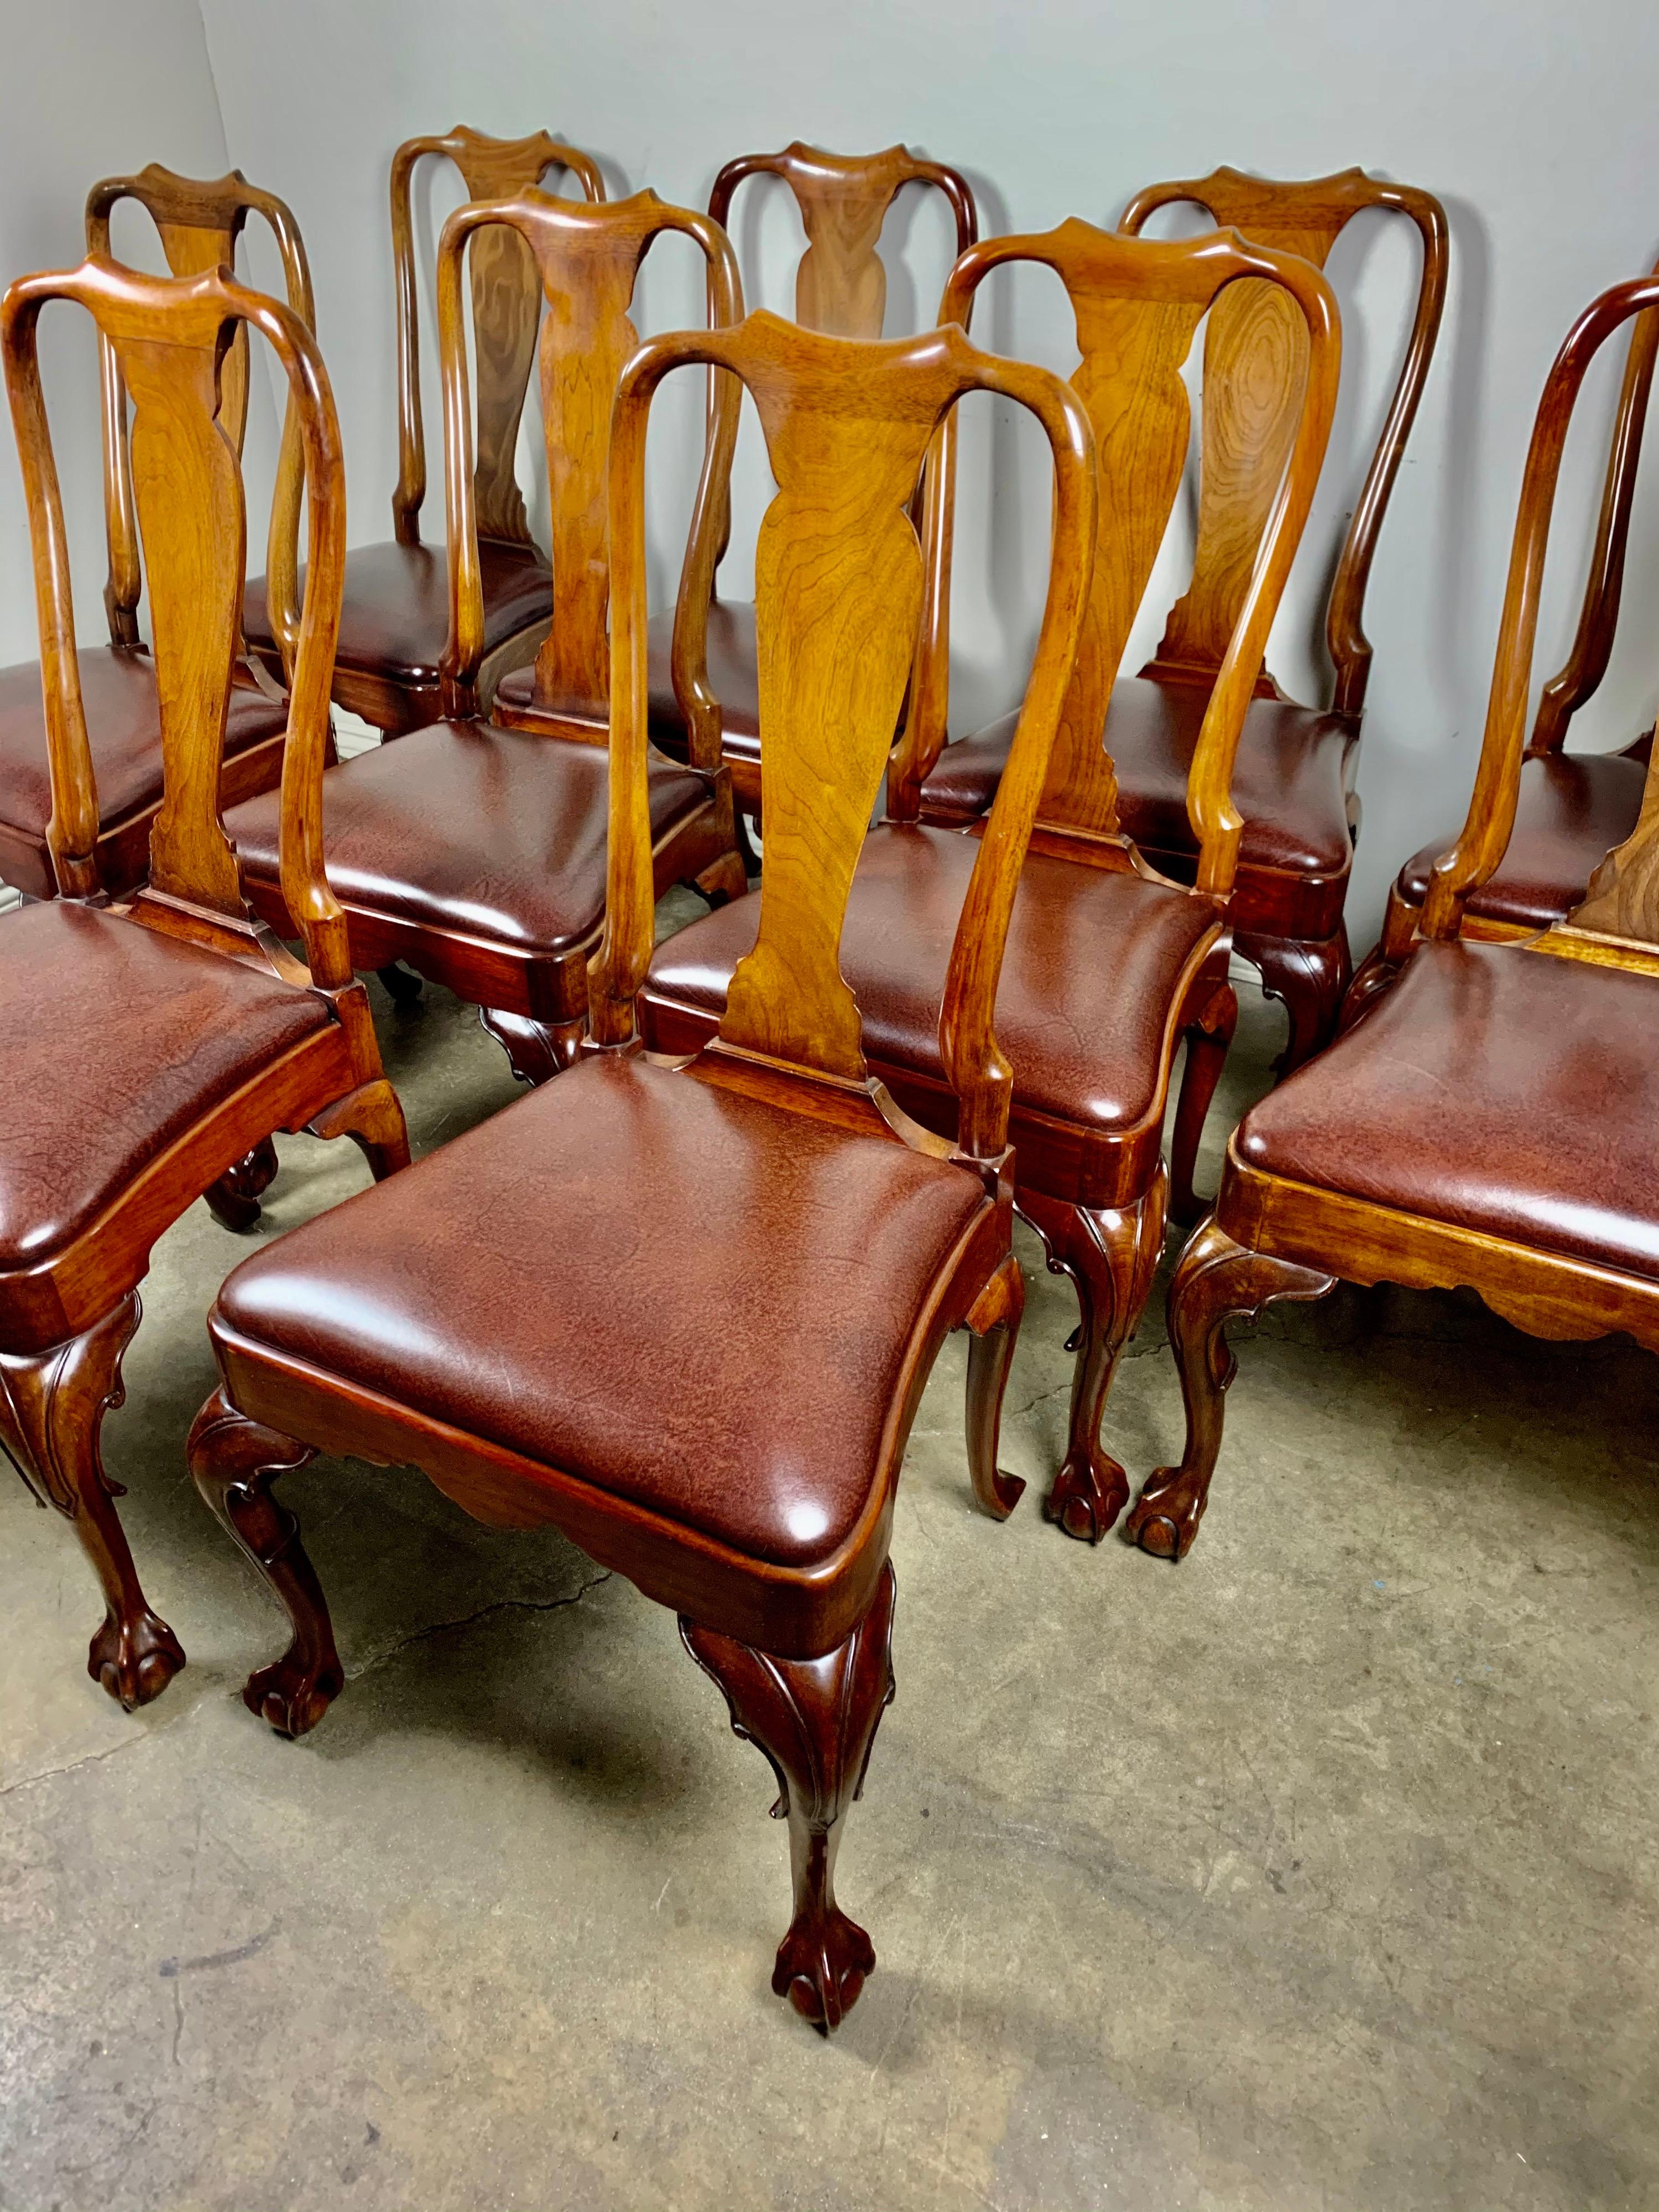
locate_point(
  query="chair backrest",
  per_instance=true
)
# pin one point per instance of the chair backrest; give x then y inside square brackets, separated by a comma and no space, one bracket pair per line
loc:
[199,221]
[838,600]
[505,307]
[1617,921]
[1137,303]
[1252,351]
[172,338]
[586,261]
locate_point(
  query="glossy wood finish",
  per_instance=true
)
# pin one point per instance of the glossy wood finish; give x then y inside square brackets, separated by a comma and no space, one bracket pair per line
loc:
[1275,1235]
[66,1317]
[800,1644]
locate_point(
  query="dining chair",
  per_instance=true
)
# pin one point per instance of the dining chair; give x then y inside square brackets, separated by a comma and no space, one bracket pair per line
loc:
[474,852]
[394,615]
[1488,1121]
[199,223]
[151,1045]
[1294,777]
[685,1312]
[840,289]
[1110,962]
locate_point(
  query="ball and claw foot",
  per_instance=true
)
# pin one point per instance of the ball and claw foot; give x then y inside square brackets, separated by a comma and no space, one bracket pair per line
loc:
[293,1693]
[1085,1499]
[822,1967]
[134,1660]
[1165,1518]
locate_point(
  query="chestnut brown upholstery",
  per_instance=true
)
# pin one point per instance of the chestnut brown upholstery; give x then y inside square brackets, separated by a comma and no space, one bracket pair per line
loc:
[1089,976]
[117,688]
[1571,809]
[1289,783]
[742,1392]
[170,1029]
[486,832]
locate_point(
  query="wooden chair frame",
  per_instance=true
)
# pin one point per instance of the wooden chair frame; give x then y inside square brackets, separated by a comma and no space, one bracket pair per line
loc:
[1270,1238]
[66,1321]
[802,1653]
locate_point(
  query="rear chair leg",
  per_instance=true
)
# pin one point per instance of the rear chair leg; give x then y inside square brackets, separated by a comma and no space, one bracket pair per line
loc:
[1309,979]
[51,1411]
[1207,1043]
[234,1461]
[235,1198]
[372,1118]
[995,1323]
[815,1719]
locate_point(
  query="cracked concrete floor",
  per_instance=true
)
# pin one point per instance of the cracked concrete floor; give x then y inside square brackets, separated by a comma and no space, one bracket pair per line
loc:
[1318,1872]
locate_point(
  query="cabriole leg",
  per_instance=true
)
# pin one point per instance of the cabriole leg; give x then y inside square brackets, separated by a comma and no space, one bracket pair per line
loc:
[372,1116]
[1111,1255]
[536,1051]
[815,1719]
[1309,979]
[51,1411]
[235,1198]
[234,1461]
[1207,1043]
[1215,1281]
[994,1326]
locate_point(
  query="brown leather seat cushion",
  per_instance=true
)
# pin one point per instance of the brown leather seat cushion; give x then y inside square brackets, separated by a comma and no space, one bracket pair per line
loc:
[1570,809]
[114,1042]
[1086,979]
[1494,1087]
[732,678]
[494,833]
[117,690]
[394,615]
[689,1299]
[1287,779]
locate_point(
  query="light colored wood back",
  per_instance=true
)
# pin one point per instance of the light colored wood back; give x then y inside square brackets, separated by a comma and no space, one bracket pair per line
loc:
[1254,355]
[1618,919]
[199,221]
[505,308]
[1137,303]
[839,589]
[586,261]
[171,339]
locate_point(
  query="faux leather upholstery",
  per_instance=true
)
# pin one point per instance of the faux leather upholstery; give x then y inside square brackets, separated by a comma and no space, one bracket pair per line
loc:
[394,615]
[1570,809]
[1287,779]
[1091,963]
[1495,1088]
[732,678]
[114,1042]
[117,690]
[689,1299]
[494,833]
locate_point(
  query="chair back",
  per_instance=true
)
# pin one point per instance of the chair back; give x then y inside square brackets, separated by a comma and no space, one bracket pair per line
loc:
[1137,303]
[586,262]
[171,340]
[199,221]
[839,596]
[506,307]
[1254,354]
[1617,923]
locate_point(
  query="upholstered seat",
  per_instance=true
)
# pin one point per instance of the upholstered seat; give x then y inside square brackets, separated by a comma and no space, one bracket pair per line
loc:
[1496,1089]
[171,1030]
[1288,781]
[394,615]
[117,688]
[1089,978]
[460,826]
[733,677]
[1571,809]
[694,1300]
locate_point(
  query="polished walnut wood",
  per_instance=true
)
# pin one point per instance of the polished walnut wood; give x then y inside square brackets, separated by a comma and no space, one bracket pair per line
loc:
[1423,1148]
[143,1003]
[1093,918]
[488,903]
[762,1198]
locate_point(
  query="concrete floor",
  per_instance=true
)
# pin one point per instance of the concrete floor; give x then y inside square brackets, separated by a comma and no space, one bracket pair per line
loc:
[1317,1872]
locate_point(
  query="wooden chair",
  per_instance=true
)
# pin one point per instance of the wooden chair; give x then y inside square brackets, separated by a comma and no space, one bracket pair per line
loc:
[1108,962]
[840,289]
[1293,782]
[199,223]
[394,616]
[1570,807]
[149,1048]
[686,1313]
[1490,1119]
[476,853]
